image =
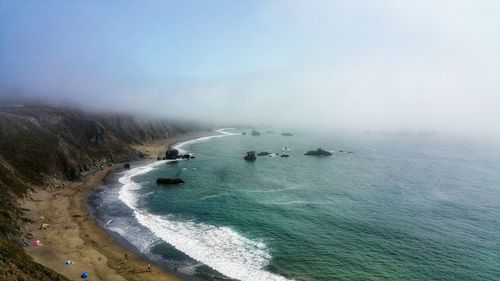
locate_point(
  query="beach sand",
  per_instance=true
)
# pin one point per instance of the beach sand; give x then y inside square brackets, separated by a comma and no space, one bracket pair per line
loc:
[74,235]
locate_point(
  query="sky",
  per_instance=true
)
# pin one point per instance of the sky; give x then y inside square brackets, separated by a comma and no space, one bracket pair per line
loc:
[361,65]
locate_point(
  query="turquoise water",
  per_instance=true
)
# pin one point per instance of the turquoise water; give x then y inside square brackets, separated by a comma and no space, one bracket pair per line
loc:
[396,208]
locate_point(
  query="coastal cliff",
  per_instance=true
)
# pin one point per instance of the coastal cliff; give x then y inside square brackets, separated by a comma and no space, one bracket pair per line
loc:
[45,146]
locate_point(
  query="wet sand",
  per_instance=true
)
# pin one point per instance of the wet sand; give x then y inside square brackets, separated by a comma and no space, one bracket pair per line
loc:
[74,234]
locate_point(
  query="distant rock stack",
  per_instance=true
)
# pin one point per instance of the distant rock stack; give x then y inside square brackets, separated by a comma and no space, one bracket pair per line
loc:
[319,152]
[250,156]
[255,133]
[287,134]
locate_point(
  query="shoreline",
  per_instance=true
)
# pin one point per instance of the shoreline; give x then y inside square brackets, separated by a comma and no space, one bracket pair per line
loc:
[75,234]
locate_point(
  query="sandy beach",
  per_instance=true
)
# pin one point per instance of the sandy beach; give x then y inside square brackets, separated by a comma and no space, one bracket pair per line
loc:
[74,235]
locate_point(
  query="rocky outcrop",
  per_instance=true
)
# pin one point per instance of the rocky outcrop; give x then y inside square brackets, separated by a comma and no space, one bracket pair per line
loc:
[285,155]
[319,152]
[250,156]
[168,181]
[287,134]
[172,154]
[264,153]
[255,133]
[44,145]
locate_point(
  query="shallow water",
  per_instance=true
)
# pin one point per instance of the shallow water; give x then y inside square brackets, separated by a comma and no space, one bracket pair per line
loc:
[400,208]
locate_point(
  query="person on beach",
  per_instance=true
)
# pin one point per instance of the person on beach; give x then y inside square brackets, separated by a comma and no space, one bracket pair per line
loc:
[126,256]
[149,268]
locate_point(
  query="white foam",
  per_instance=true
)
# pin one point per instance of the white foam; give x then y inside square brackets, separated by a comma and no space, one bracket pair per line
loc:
[271,190]
[212,196]
[222,133]
[220,248]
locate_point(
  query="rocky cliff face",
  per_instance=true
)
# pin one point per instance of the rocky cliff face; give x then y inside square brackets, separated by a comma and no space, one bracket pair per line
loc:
[45,146]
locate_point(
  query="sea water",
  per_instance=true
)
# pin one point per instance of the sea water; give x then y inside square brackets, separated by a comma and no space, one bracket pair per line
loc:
[383,207]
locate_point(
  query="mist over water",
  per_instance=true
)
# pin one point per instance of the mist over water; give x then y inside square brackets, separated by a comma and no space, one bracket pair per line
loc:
[382,66]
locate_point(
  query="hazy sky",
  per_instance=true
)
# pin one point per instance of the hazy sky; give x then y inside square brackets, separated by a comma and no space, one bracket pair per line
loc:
[352,64]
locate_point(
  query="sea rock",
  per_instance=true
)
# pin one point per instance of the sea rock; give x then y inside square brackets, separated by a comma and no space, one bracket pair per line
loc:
[158,158]
[319,152]
[186,156]
[285,155]
[168,181]
[172,154]
[250,156]
[192,157]
[255,133]
[264,153]
[244,133]
[126,166]
[287,134]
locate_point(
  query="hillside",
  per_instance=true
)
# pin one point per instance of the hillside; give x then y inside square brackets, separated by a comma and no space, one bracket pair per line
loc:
[44,146]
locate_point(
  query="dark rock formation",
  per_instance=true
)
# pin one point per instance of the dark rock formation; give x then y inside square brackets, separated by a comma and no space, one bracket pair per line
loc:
[319,152]
[250,156]
[285,155]
[264,153]
[287,134]
[168,181]
[192,157]
[158,158]
[186,156]
[172,154]
[244,133]
[126,166]
[255,133]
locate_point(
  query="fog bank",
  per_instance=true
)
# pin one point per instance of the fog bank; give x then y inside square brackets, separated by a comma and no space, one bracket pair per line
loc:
[359,65]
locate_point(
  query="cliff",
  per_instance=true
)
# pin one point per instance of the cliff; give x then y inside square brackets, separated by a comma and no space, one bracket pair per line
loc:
[44,146]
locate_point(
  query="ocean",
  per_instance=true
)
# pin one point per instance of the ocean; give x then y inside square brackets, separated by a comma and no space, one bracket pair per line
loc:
[383,207]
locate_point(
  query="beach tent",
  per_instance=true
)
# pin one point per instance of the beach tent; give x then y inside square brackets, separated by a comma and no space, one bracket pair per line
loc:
[69,262]
[84,275]
[44,226]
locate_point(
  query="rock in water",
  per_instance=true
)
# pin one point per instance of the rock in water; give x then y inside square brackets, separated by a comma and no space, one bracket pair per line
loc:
[244,133]
[255,133]
[264,153]
[287,134]
[172,154]
[319,152]
[186,156]
[126,166]
[168,181]
[285,155]
[250,156]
